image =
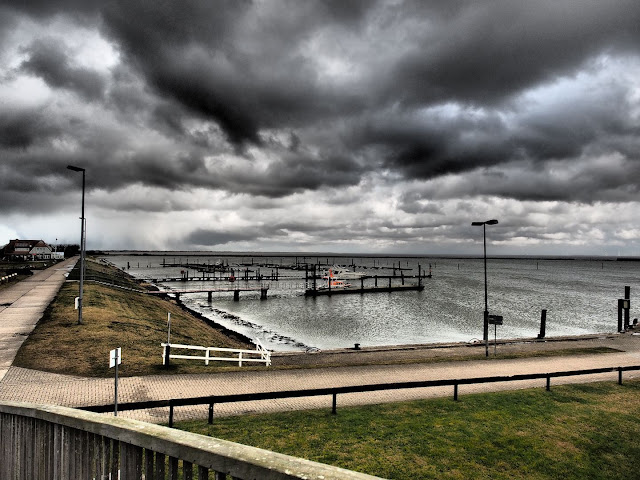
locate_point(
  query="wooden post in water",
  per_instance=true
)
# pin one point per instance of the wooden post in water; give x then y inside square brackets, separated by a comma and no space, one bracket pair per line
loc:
[627,296]
[620,308]
[314,277]
[543,323]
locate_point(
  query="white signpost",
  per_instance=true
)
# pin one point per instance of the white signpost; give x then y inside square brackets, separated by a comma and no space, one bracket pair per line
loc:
[115,359]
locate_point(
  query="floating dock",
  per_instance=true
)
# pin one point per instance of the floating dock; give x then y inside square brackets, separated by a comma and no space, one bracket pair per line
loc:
[351,290]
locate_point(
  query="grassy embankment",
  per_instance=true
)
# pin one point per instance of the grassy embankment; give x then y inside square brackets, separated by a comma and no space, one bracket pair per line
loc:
[115,317]
[572,432]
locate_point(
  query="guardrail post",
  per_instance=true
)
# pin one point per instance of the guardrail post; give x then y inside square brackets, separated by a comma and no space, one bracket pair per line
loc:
[455,392]
[170,416]
[548,382]
[335,404]
[210,413]
[619,375]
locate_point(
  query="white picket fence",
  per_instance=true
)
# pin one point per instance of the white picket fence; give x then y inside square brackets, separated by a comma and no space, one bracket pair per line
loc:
[259,355]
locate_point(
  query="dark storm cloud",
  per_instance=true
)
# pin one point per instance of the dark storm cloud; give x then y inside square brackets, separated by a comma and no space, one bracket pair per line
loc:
[210,237]
[21,129]
[485,52]
[48,60]
[419,89]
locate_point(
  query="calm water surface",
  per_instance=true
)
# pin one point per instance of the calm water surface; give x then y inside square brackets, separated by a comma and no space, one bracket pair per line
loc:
[580,297]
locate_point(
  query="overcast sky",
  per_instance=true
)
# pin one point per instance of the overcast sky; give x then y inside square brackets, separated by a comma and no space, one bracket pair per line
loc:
[341,126]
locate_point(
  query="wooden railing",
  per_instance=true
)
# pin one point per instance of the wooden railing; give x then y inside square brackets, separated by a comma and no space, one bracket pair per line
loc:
[58,443]
[260,354]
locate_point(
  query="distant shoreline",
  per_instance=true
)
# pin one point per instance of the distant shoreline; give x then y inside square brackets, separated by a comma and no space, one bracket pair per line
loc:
[183,253]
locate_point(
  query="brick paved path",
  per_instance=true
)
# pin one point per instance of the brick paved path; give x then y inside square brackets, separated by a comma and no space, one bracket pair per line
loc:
[38,387]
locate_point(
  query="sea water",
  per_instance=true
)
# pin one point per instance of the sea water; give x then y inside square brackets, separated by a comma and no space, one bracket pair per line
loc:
[579,295]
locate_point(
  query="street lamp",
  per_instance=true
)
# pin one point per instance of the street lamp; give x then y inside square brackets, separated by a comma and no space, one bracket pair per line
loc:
[82,228]
[486,302]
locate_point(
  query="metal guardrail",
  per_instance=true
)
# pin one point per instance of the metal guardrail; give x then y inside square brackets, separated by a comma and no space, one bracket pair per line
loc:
[211,400]
[39,442]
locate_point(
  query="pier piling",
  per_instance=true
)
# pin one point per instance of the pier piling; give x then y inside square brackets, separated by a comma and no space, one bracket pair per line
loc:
[543,323]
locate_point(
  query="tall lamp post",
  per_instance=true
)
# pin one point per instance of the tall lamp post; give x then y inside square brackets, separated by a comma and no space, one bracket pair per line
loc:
[485,334]
[82,228]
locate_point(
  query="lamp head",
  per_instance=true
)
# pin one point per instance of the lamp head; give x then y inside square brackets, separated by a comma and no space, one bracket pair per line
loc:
[488,222]
[75,169]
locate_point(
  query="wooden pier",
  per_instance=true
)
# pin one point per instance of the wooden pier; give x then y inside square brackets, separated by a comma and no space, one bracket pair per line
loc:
[351,290]
[210,291]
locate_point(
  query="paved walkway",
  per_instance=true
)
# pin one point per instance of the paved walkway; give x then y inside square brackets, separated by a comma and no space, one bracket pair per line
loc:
[22,306]
[21,384]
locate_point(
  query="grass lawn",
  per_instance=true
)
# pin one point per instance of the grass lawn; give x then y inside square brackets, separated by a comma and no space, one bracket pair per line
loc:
[114,317]
[572,432]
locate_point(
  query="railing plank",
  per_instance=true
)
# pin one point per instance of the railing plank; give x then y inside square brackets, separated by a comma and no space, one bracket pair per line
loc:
[203,473]
[173,468]
[187,470]
[160,466]
[115,457]
[149,464]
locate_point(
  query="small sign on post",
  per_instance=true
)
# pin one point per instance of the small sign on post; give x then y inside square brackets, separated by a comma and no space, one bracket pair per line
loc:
[495,320]
[115,359]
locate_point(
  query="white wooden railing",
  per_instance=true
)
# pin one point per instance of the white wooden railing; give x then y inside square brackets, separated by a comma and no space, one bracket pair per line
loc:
[259,355]
[44,442]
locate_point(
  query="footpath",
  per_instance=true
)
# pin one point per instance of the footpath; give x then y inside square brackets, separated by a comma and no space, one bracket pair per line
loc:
[22,306]
[324,369]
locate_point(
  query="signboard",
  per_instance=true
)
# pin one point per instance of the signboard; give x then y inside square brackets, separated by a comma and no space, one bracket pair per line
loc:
[115,356]
[495,319]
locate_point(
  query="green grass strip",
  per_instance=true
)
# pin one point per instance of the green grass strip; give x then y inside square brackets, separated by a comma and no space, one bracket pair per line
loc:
[572,432]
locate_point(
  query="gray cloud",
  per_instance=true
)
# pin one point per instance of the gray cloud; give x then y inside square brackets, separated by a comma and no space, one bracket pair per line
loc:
[47,59]
[337,102]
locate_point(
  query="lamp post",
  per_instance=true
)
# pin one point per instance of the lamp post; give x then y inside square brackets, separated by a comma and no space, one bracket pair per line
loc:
[82,228]
[485,334]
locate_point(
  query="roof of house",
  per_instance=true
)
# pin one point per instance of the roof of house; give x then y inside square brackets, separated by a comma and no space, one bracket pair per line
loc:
[21,246]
